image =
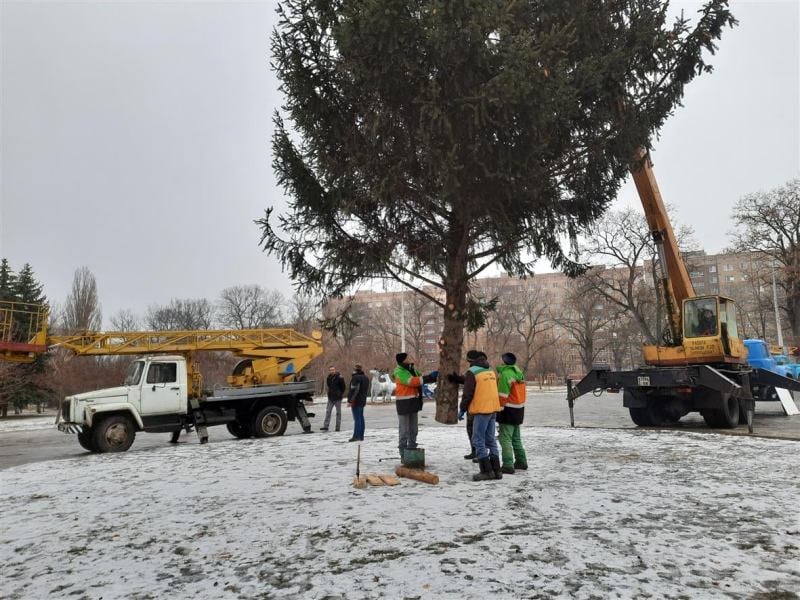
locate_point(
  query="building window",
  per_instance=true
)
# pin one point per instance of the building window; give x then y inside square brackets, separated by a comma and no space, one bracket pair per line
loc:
[731,278]
[714,279]
[697,274]
[712,269]
[727,267]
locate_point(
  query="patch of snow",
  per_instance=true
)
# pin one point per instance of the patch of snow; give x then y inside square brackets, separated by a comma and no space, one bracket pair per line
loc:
[598,514]
[27,423]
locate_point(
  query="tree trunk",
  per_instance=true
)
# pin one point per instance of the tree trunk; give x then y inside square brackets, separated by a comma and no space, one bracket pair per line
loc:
[452,340]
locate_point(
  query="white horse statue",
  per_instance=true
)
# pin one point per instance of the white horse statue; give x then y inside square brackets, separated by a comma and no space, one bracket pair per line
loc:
[381,386]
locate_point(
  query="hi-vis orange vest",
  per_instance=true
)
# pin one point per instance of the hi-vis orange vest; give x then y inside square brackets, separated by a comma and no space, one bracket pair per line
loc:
[516,396]
[486,400]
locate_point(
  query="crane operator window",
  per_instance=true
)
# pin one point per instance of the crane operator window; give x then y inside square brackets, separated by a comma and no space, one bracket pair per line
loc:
[700,317]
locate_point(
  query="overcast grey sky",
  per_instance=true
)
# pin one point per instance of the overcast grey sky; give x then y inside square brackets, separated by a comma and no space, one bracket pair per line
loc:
[136,140]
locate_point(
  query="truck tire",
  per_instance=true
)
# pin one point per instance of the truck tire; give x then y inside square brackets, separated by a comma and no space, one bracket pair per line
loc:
[726,416]
[640,416]
[270,422]
[86,440]
[239,430]
[113,434]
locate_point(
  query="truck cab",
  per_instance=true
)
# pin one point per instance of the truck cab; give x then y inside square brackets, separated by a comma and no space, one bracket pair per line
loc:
[153,397]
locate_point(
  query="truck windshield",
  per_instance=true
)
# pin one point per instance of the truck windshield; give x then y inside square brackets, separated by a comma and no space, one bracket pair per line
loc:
[700,317]
[134,373]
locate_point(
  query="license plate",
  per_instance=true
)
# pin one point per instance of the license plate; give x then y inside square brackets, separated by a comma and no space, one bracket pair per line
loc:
[643,381]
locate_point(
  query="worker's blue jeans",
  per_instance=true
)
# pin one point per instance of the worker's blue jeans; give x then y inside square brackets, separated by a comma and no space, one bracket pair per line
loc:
[483,435]
[358,422]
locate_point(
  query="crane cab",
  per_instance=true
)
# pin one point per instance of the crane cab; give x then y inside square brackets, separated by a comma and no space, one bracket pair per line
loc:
[710,335]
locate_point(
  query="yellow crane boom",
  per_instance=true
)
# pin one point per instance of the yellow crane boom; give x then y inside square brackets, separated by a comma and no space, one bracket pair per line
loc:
[272,355]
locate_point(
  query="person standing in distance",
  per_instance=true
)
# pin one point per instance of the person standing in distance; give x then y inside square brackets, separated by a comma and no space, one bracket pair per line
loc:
[357,400]
[336,387]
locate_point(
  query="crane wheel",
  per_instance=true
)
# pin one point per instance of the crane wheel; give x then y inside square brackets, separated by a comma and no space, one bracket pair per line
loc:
[270,422]
[640,416]
[725,416]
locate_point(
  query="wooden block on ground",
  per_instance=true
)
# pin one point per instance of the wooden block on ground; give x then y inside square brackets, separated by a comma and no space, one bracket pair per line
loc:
[389,479]
[374,479]
[417,474]
[360,482]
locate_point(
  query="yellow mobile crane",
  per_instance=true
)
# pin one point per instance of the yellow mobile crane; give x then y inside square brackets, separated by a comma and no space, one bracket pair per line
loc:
[702,364]
[163,391]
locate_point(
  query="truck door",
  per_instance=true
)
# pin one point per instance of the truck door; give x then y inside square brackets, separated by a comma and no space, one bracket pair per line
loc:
[161,392]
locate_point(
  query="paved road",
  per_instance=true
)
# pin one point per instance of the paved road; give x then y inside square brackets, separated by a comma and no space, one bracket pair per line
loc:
[548,409]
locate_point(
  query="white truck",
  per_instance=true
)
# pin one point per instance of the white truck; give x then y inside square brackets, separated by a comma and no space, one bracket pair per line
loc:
[155,398]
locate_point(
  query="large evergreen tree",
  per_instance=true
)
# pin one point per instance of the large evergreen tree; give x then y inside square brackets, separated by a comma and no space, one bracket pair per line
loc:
[8,281]
[23,384]
[431,139]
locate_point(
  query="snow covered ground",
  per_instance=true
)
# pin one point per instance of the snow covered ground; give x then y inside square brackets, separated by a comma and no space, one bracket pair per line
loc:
[27,423]
[599,514]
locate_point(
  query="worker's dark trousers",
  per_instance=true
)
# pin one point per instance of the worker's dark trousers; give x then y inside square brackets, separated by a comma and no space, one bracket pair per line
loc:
[408,431]
[331,405]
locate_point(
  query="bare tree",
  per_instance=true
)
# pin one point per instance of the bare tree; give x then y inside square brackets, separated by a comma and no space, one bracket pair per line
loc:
[250,307]
[125,320]
[304,312]
[768,223]
[82,310]
[181,314]
[627,268]
[585,318]
[499,329]
[533,322]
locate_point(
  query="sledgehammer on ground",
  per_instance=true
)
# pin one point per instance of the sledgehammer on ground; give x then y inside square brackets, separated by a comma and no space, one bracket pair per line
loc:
[359,481]
[417,474]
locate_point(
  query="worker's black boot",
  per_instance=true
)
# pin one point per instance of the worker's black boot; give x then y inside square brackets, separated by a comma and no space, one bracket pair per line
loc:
[486,470]
[507,470]
[471,454]
[521,465]
[494,461]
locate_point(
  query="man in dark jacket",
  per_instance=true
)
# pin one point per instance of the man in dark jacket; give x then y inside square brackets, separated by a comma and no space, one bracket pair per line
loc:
[336,386]
[357,400]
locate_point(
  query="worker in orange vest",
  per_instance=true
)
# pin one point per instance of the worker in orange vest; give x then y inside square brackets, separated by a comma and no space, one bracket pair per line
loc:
[482,400]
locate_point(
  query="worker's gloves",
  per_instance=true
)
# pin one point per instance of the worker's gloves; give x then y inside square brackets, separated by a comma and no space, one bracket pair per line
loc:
[455,378]
[430,377]
[461,414]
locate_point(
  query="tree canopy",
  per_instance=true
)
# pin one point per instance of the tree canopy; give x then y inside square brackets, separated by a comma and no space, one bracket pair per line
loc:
[431,139]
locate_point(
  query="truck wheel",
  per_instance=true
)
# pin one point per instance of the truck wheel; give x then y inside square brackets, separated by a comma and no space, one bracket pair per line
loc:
[113,434]
[238,430]
[726,416]
[640,416]
[270,421]
[771,394]
[85,439]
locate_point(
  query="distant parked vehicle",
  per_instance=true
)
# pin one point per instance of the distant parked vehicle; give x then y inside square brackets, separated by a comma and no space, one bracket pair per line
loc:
[759,357]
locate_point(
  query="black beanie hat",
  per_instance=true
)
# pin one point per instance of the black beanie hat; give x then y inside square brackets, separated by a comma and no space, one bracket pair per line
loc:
[474,355]
[509,358]
[400,357]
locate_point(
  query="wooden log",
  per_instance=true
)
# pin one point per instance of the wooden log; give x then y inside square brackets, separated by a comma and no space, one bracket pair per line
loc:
[417,474]
[389,479]
[360,482]
[373,479]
